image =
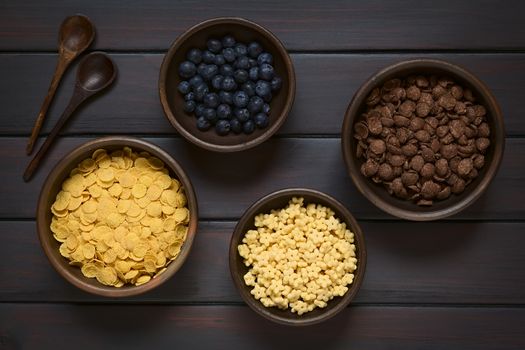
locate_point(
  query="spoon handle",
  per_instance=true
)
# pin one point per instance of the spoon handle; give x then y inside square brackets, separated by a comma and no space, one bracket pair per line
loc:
[63,63]
[77,98]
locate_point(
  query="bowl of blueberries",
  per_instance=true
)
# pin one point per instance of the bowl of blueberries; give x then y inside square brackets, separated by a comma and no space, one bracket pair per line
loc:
[227,84]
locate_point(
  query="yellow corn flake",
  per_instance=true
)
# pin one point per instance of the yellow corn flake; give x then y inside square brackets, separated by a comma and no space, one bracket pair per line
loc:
[154,209]
[181,214]
[114,220]
[142,163]
[107,276]
[163,181]
[74,203]
[169,197]
[62,201]
[153,192]
[95,190]
[88,250]
[115,190]
[168,210]
[89,207]
[146,180]
[139,190]
[155,163]
[127,180]
[89,270]
[143,202]
[169,224]
[143,279]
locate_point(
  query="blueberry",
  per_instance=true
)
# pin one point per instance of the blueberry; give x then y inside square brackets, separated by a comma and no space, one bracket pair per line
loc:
[201,68]
[262,88]
[195,56]
[228,41]
[242,62]
[253,63]
[200,91]
[267,98]
[240,76]
[219,60]
[248,127]
[240,99]
[211,71]
[224,111]
[184,87]
[228,84]
[199,110]
[190,96]
[196,81]
[214,45]
[255,105]
[226,70]
[187,69]
[229,54]
[189,106]
[261,120]
[254,49]
[216,82]
[240,50]
[276,83]
[210,115]
[235,126]
[226,97]
[211,100]
[254,73]
[203,124]
[249,88]
[222,127]
[266,108]
[266,71]
[208,57]
[242,114]
[265,57]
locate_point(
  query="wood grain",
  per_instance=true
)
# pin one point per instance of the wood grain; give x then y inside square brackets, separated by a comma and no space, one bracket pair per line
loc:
[408,263]
[325,86]
[311,25]
[204,327]
[226,184]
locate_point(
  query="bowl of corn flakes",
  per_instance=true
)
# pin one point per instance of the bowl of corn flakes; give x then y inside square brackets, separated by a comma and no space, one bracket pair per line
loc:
[297,257]
[117,216]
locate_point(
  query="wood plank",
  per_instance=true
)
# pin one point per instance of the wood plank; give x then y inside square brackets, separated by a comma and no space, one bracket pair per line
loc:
[325,86]
[48,326]
[226,184]
[312,25]
[451,263]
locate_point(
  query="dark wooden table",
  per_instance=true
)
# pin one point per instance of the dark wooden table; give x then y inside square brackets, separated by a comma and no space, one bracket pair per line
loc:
[453,284]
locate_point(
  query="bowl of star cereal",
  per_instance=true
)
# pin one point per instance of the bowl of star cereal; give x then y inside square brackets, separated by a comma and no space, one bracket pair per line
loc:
[117,216]
[297,257]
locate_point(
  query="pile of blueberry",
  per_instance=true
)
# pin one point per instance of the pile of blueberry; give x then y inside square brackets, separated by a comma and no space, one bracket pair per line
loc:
[229,86]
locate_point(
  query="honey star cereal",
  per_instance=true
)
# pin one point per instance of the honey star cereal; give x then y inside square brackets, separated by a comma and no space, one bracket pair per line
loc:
[300,257]
[120,217]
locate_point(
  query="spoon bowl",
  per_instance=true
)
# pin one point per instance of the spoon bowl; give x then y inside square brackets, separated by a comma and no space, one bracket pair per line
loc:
[76,33]
[96,73]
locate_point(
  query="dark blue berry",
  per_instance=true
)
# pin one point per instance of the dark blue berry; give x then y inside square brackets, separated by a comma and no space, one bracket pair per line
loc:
[240,76]
[222,127]
[276,83]
[187,69]
[240,99]
[254,49]
[199,110]
[229,54]
[265,57]
[224,111]
[248,127]
[216,82]
[228,84]
[249,88]
[195,56]
[203,124]
[254,73]
[210,115]
[184,87]
[255,105]
[200,91]
[226,70]
[240,50]
[266,71]
[242,62]
[253,63]
[262,88]
[235,126]
[214,45]
[190,96]
[219,60]
[228,41]
[242,114]
[210,71]
[208,57]
[211,100]
[261,120]
[266,108]
[201,68]
[226,97]
[267,98]
[189,106]
[196,81]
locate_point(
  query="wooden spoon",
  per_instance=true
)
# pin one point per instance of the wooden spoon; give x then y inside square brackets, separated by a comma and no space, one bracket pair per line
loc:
[76,34]
[95,72]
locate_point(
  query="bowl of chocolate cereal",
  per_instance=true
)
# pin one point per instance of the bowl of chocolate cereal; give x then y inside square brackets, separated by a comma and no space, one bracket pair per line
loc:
[423,139]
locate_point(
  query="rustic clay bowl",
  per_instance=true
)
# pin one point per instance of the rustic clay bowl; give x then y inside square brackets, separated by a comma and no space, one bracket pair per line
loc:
[244,31]
[376,193]
[278,200]
[53,185]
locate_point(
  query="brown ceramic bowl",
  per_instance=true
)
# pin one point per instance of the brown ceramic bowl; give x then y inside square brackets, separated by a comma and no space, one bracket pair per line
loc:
[244,31]
[278,200]
[376,193]
[52,186]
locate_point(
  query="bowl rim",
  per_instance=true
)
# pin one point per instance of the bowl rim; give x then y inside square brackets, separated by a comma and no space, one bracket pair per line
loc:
[351,114]
[136,144]
[351,223]
[280,119]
